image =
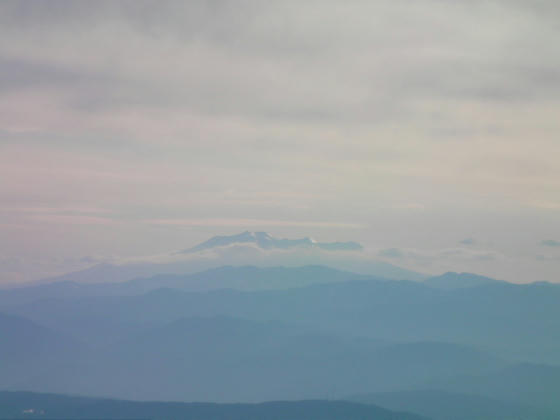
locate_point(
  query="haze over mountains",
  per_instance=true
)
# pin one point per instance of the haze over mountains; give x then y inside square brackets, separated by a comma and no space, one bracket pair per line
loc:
[29,405]
[247,248]
[443,405]
[481,315]
[289,210]
[265,241]
[253,334]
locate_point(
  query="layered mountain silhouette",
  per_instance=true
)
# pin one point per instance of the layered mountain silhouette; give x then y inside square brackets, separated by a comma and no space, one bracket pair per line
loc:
[265,241]
[444,405]
[28,348]
[451,280]
[228,359]
[247,248]
[519,322]
[25,405]
[248,278]
[252,334]
[525,383]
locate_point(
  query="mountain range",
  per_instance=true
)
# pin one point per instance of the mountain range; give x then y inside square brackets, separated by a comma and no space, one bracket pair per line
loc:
[480,316]
[247,248]
[26,405]
[265,241]
[455,346]
[445,405]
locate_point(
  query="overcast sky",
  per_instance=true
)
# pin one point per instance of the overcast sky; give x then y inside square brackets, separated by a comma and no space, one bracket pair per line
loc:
[426,130]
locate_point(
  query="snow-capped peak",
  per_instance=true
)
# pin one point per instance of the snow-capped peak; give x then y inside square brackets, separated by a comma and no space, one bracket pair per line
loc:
[265,241]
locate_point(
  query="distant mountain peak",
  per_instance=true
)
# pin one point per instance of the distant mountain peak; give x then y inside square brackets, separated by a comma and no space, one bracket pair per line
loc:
[453,280]
[265,241]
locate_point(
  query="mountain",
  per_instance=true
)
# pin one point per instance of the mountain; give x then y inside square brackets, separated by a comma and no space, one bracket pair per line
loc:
[327,306]
[480,316]
[248,278]
[227,277]
[230,360]
[28,348]
[443,405]
[239,360]
[265,241]
[348,336]
[23,340]
[247,248]
[25,405]
[525,383]
[451,280]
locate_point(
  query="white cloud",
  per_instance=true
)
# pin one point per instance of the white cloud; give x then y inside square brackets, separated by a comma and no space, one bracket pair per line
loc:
[348,116]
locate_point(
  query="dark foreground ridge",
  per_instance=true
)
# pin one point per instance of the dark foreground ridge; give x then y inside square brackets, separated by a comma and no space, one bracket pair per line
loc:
[28,405]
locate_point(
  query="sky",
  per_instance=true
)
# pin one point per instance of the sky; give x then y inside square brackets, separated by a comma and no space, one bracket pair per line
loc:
[426,130]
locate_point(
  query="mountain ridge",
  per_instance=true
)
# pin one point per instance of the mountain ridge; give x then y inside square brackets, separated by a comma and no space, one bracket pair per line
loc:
[452,280]
[266,241]
[16,405]
[250,278]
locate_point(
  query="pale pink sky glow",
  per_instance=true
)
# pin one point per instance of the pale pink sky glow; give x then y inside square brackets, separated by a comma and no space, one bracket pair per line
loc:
[128,131]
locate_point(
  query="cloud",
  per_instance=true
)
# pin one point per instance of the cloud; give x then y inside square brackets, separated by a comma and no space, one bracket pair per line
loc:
[18,270]
[274,62]
[212,115]
[252,223]
[391,253]
[443,257]
[550,243]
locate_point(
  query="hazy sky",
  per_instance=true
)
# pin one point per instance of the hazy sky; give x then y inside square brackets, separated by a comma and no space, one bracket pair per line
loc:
[426,130]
